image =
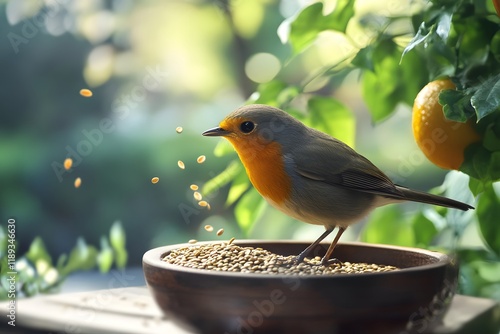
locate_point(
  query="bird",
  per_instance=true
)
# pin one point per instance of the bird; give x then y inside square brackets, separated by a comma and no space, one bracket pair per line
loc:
[310,175]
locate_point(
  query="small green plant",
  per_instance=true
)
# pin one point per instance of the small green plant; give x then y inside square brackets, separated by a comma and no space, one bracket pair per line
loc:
[37,272]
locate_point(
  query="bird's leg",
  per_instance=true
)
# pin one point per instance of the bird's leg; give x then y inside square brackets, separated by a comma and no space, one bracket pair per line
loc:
[326,259]
[306,251]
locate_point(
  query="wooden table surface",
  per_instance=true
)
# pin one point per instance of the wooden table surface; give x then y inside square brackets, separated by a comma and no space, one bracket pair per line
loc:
[133,310]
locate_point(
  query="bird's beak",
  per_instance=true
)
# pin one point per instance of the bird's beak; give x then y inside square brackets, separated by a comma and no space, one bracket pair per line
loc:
[215,132]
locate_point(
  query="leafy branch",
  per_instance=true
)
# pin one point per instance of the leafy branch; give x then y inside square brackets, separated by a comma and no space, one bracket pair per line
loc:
[37,272]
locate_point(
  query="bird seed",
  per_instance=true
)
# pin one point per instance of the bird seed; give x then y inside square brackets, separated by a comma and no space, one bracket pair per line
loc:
[86,92]
[178,129]
[181,164]
[78,182]
[227,256]
[193,187]
[201,159]
[68,162]
[155,180]
[209,228]
[220,232]
[197,196]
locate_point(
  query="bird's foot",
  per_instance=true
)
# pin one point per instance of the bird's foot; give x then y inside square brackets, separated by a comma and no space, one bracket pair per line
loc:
[328,262]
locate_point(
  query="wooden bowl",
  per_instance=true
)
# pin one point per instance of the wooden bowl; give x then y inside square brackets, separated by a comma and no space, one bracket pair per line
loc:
[408,300]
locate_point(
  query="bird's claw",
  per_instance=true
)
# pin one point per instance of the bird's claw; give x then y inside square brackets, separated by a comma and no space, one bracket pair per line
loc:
[327,262]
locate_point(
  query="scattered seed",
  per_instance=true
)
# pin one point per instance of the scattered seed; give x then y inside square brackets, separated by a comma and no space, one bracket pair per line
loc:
[193,187]
[193,241]
[203,203]
[68,162]
[209,228]
[181,164]
[155,180]
[220,232]
[208,206]
[197,196]
[78,182]
[234,258]
[86,92]
[201,159]
[178,129]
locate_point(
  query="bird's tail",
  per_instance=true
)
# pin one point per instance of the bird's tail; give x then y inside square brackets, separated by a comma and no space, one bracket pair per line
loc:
[422,197]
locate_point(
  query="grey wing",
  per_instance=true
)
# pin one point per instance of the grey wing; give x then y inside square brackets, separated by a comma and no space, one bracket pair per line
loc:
[337,164]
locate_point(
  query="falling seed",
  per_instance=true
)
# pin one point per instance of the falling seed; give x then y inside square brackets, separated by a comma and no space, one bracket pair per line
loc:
[178,129]
[68,163]
[230,241]
[193,187]
[208,206]
[181,164]
[155,180]
[193,241]
[209,228]
[203,203]
[220,232]
[197,196]
[86,92]
[78,182]
[201,159]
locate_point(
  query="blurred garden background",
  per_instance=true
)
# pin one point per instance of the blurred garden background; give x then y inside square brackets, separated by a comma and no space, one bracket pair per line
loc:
[153,66]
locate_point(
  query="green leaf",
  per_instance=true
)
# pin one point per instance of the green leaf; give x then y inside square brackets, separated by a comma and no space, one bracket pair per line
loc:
[117,235]
[105,256]
[364,58]
[387,225]
[81,257]
[391,82]
[223,148]
[423,229]
[239,185]
[330,116]
[311,21]
[268,93]
[248,209]
[456,105]
[220,180]
[117,238]
[38,251]
[495,46]
[487,98]
[488,211]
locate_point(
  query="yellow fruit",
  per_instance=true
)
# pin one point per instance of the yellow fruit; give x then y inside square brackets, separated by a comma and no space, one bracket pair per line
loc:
[442,141]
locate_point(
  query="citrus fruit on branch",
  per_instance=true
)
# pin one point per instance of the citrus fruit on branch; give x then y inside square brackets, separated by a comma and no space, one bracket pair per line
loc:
[442,141]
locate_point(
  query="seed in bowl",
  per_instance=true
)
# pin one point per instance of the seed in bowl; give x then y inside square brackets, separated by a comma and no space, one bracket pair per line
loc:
[220,232]
[201,159]
[78,182]
[192,241]
[86,92]
[178,129]
[68,162]
[155,180]
[209,228]
[261,261]
[181,164]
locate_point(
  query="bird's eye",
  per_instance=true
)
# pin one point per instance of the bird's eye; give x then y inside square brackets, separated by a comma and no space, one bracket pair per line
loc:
[247,127]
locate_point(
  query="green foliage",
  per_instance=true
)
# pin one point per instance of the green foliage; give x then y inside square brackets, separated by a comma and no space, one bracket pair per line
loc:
[37,273]
[311,21]
[488,212]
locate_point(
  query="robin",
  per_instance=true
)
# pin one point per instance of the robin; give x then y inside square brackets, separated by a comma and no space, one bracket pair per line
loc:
[310,175]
